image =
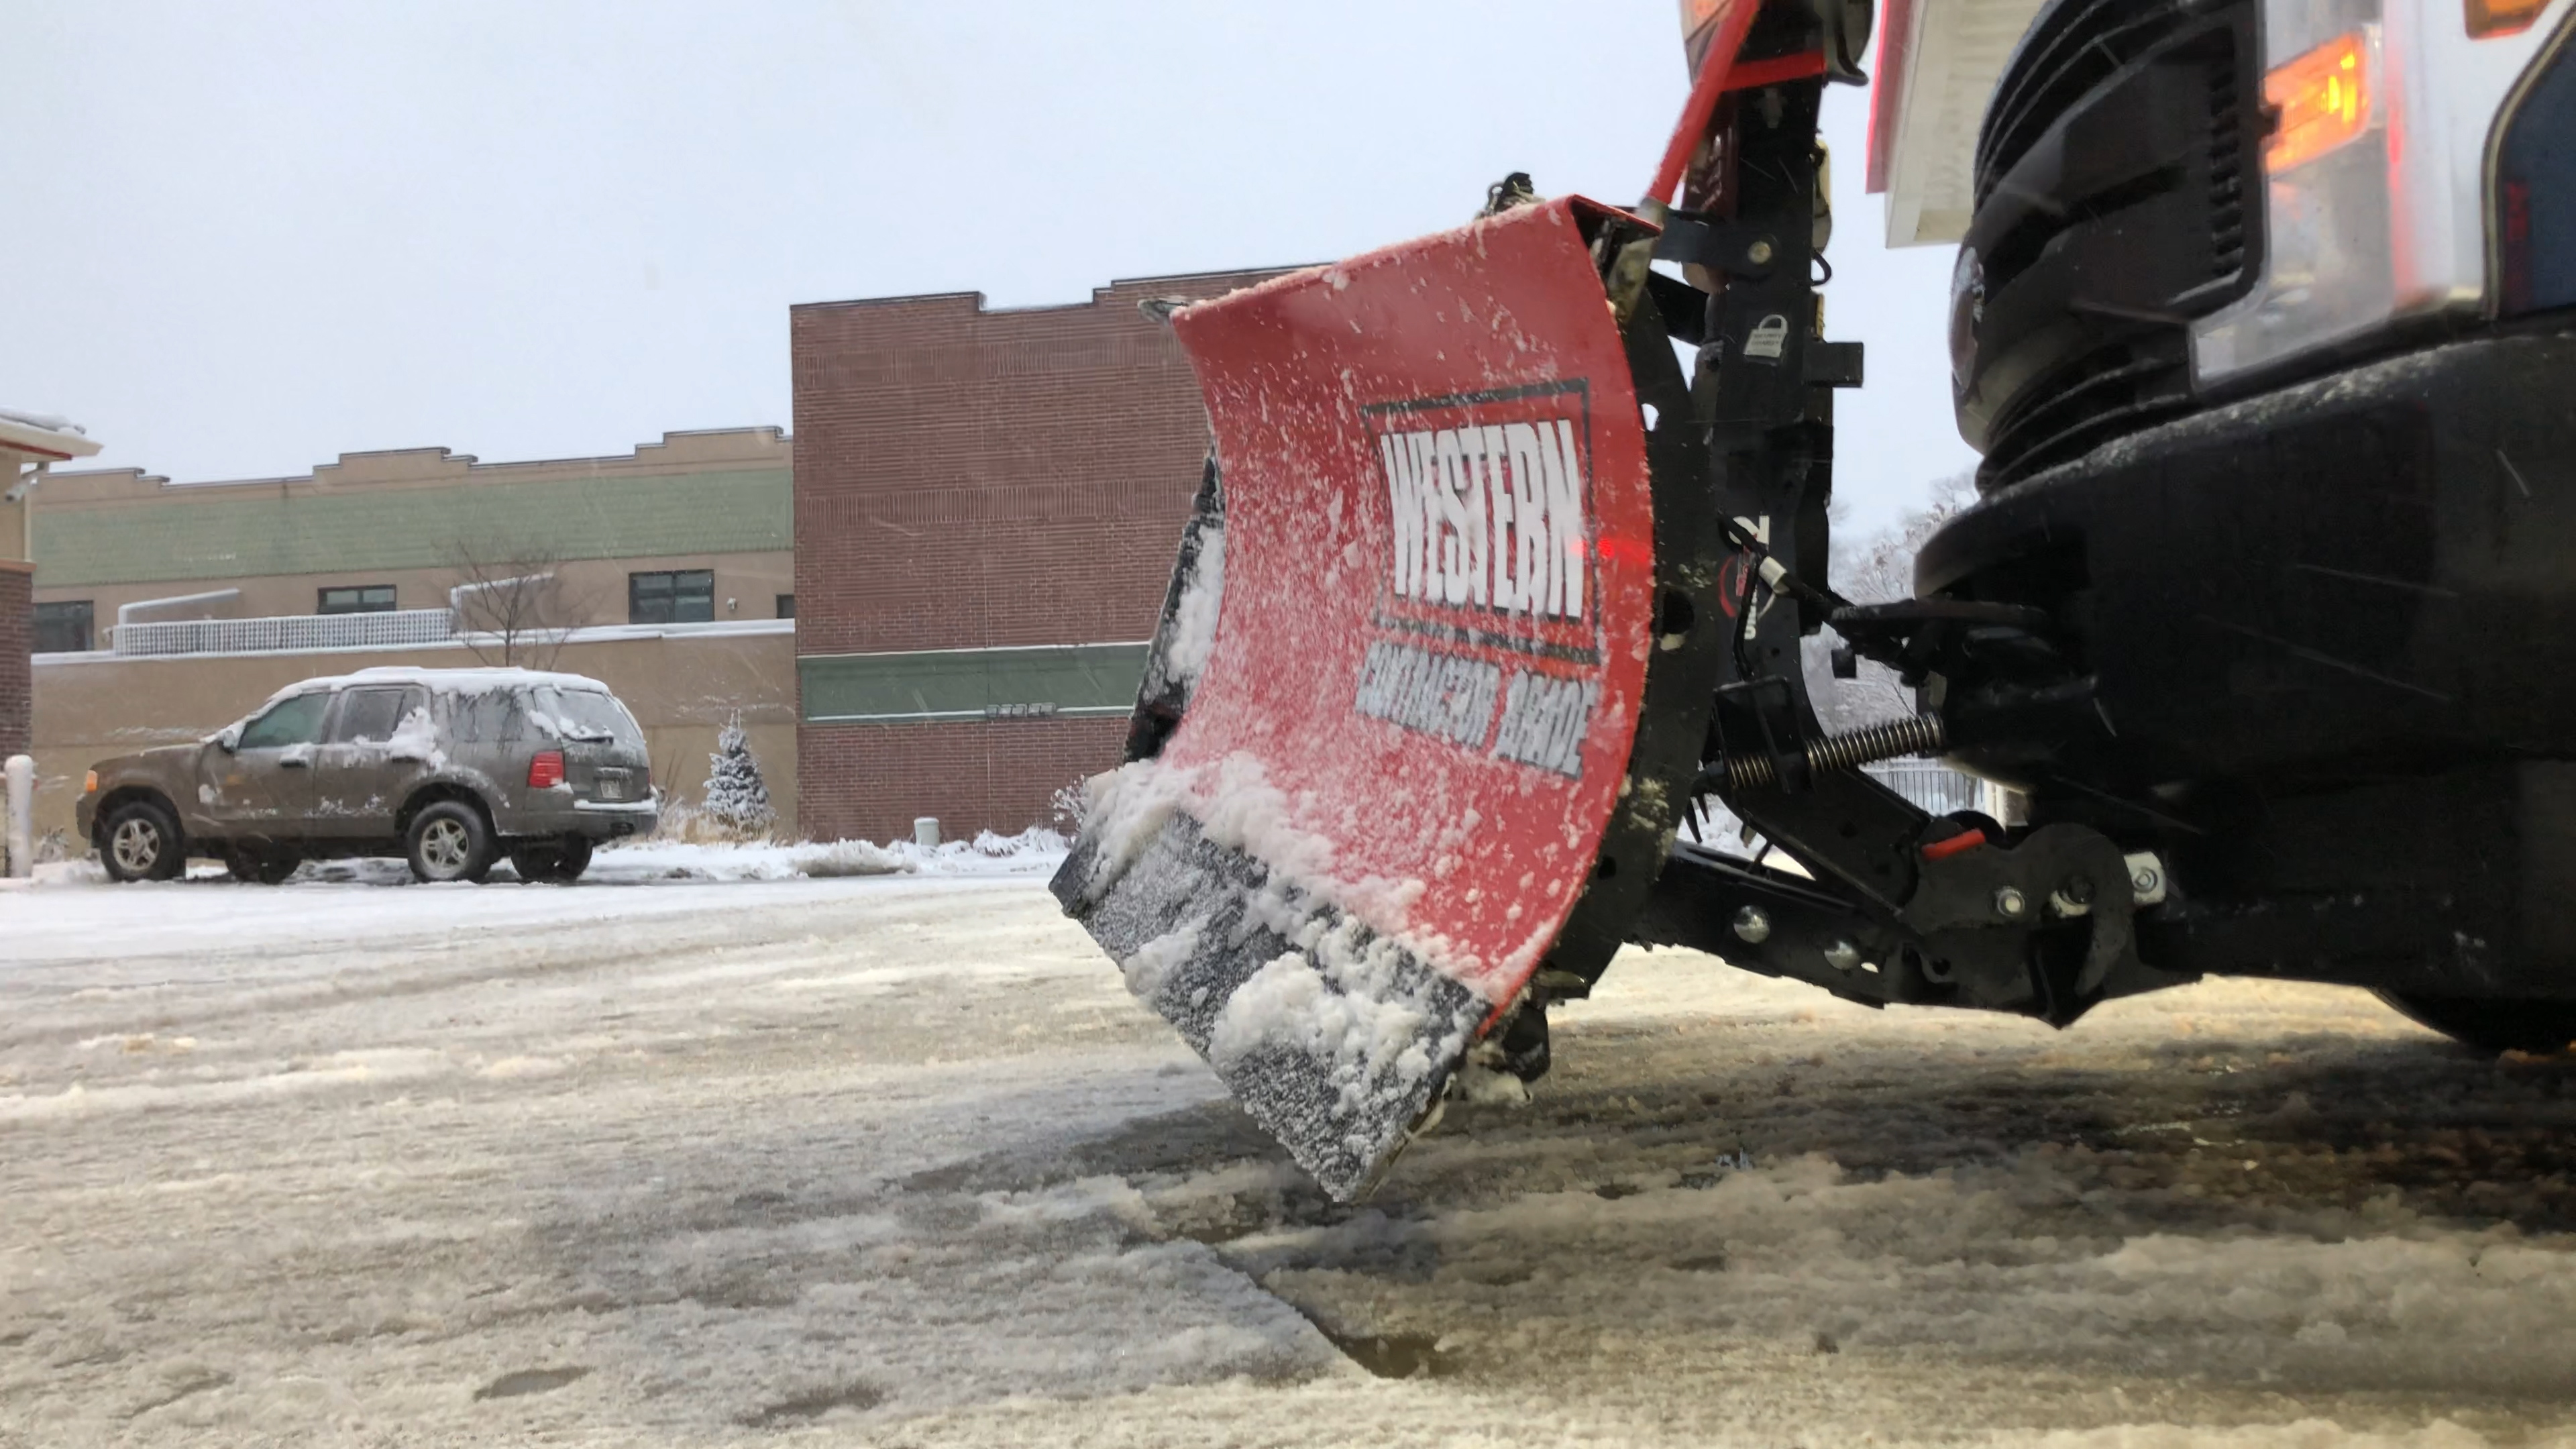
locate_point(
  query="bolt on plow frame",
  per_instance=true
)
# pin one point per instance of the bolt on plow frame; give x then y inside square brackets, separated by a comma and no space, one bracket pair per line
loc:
[1486,594]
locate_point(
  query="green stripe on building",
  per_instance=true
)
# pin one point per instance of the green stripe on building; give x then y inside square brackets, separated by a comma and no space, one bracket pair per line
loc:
[966,684]
[277,532]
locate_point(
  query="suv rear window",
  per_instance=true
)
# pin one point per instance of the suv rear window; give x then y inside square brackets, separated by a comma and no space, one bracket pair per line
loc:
[581,714]
[494,717]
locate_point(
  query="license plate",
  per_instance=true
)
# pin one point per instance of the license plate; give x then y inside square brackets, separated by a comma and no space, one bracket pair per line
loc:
[612,789]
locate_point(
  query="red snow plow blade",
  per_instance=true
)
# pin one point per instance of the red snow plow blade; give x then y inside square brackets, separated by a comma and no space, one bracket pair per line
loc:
[1407,757]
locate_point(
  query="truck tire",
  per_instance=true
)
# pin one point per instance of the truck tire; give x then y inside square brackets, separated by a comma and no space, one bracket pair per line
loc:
[2540,1028]
[263,864]
[448,841]
[141,841]
[558,861]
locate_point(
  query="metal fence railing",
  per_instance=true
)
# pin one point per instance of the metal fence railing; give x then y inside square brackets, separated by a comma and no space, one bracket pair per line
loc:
[286,633]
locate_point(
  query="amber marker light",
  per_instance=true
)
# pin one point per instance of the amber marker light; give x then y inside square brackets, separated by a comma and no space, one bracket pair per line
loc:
[2323,99]
[2488,18]
[89,783]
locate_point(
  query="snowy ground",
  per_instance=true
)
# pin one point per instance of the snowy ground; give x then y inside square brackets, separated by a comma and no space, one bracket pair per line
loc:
[895,1160]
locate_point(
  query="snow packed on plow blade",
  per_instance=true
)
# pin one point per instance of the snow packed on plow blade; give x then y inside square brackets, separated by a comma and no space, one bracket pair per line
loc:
[1403,746]
[1335,1039]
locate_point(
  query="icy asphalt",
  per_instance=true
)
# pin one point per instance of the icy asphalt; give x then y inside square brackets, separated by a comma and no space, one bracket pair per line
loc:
[897,1161]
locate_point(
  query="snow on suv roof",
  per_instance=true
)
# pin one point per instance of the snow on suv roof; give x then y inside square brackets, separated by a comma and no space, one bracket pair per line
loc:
[446,681]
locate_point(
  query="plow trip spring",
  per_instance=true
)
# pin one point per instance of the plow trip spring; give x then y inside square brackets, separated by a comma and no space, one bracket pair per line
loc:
[1482,595]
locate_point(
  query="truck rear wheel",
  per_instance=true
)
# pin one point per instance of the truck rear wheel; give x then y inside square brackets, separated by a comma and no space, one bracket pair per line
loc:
[141,841]
[2541,1028]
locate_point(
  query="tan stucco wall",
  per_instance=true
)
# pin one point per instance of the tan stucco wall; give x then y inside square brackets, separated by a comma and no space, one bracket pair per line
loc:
[588,591]
[682,688]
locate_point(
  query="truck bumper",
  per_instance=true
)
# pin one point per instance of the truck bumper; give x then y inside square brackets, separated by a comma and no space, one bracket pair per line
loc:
[2373,571]
[2333,636]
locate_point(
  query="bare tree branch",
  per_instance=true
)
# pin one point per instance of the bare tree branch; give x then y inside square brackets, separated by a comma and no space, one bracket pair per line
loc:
[511,604]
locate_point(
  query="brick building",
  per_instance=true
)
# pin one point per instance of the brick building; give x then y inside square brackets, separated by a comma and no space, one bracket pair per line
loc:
[987,504]
[29,446]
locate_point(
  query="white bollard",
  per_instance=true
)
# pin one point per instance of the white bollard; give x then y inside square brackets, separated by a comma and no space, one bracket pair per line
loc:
[21,772]
[925,832]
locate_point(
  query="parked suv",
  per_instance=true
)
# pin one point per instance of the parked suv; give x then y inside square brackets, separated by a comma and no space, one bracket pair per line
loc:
[450,768]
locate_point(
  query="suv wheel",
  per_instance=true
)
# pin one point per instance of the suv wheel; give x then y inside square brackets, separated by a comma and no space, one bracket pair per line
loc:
[267,865]
[560,861]
[140,841]
[448,841]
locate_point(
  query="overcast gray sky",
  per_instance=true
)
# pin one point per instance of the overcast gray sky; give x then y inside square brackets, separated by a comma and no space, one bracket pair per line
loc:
[246,238]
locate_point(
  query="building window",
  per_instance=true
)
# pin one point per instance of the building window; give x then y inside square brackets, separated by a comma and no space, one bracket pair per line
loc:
[787,606]
[676,596]
[358,599]
[64,628]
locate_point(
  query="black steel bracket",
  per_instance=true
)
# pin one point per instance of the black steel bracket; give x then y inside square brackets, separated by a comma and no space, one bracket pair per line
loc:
[2040,924]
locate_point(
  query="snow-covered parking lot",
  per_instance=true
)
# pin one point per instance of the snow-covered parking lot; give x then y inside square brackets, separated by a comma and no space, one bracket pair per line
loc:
[895,1160]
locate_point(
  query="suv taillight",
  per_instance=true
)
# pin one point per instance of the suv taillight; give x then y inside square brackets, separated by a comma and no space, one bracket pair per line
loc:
[545,769]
